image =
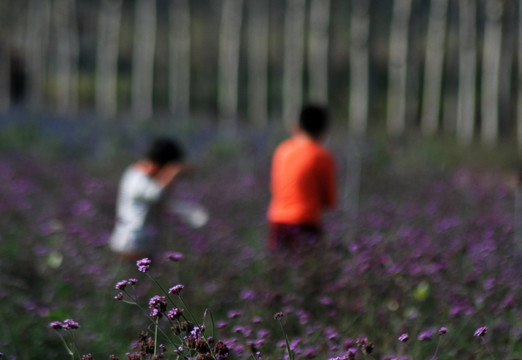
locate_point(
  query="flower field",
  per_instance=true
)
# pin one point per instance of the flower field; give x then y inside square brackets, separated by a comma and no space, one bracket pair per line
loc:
[431,270]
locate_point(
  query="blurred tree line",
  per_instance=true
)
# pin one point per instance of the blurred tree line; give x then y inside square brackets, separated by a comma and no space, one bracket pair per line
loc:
[433,65]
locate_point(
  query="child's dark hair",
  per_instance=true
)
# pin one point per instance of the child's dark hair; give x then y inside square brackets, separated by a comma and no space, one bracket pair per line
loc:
[314,119]
[163,150]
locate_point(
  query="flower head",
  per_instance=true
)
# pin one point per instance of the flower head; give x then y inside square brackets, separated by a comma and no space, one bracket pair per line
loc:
[132,281]
[56,325]
[442,331]
[70,324]
[120,285]
[481,331]
[157,305]
[119,296]
[174,256]
[175,313]
[175,290]
[278,316]
[404,337]
[143,264]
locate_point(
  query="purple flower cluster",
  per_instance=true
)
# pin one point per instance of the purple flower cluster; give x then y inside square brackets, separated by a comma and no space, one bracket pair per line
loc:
[143,264]
[67,324]
[157,306]
[176,289]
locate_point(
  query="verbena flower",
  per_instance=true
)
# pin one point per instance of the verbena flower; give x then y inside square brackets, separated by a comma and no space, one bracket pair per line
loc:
[278,315]
[119,296]
[132,281]
[425,335]
[70,324]
[443,331]
[157,305]
[174,256]
[87,357]
[481,331]
[56,325]
[175,313]
[175,290]
[120,285]
[404,337]
[143,264]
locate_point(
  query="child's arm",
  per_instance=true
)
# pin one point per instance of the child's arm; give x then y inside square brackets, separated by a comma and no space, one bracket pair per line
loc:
[169,172]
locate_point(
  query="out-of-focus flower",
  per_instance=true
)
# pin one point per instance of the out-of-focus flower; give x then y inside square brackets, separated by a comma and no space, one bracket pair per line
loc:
[174,256]
[70,324]
[481,331]
[119,296]
[404,337]
[56,325]
[120,285]
[425,335]
[443,331]
[175,290]
[143,264]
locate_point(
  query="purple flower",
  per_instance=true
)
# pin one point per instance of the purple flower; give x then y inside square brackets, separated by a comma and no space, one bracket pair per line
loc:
[481,331]
[132,281]
[56,325]
[87,357]
[120,285]
[175,313]
[174,256]
[119,296]
[70,324]
[176,289]
[425,335]
[443,331]
[404,337]
[143,264]
[232,314]
[157,305]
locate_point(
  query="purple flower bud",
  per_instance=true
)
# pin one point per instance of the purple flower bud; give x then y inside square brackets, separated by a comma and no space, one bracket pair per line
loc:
[443,331]
[143,264]
[119,296]
[175,313]
[87,357]
[56,325]
[175,290]
[132,281]
[404,337]
[120,285]
[174,256]
[70,324]
[481,331]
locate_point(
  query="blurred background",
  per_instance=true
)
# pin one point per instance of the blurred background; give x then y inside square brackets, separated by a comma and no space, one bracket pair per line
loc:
[426,66]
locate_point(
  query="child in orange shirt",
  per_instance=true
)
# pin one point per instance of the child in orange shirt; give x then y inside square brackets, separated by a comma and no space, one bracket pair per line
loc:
[303,182]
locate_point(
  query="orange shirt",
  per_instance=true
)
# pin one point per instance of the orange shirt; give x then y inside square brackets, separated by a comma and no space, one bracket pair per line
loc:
[303,182]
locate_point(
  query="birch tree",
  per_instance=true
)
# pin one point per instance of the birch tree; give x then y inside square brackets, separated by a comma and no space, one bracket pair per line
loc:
[519,82]
[318,45]
[229,44]
[179,64]
[491,71]
[434,65]
[109,23]
[398,67]
[293,59]
[67,54]
[258,62]
[467,67]
[36,49]
[143,58]
[359,67]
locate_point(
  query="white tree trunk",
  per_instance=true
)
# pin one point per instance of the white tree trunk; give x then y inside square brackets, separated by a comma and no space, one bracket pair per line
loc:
[67,56]
[398,67]
[434,66]
[107,57]
[519,81]
[491,71]
[179,64]
[258,62]
[143,59]
[229,44]
[293,59]
[467,67]
[318,50]
[36,49]
[359,67]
